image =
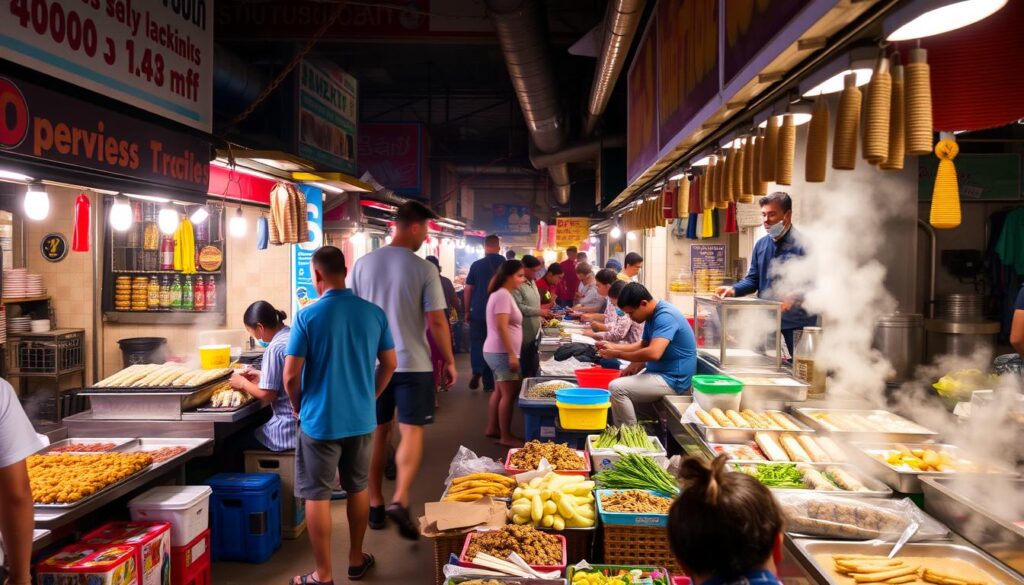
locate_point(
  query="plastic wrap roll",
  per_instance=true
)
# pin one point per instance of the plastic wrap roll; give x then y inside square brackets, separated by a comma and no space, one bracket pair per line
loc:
[769,149]
[844,146]
[897,123]
[945,212]
[877,114]
[816,163]
[918,108]
[787,150]
[748,170]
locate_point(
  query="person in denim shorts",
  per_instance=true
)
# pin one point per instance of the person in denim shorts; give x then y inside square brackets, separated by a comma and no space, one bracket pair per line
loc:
[501,350]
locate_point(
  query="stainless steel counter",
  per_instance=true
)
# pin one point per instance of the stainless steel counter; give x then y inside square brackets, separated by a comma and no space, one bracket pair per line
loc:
[208,425]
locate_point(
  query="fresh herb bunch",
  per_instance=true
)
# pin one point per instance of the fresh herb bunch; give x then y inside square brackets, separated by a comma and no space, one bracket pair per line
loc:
[637,472]
[632,436]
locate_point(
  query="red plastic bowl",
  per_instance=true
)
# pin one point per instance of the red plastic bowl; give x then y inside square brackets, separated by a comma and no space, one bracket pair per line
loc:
[596,377]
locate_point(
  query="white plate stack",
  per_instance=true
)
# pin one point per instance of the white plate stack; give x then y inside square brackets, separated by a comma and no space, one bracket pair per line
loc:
[15,283]
[40,325]
[3,324]
[34,285]
[17,325]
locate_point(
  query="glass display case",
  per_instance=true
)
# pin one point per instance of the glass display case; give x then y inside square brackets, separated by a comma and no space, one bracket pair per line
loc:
[738,332]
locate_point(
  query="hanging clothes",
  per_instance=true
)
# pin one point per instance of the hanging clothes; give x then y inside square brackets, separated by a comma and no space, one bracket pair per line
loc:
[730,219]
[262,233]
[288,223]
[185,248]
[709,223]
[716,224]
[693,208]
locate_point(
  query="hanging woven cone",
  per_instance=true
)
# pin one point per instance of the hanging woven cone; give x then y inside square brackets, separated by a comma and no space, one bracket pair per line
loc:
[877,114]
[844,146]
[712,180]
[683,197]
[897,123]
[707,198]
[722,178]
[769,149]
[787,150]
[817,143]
[748,170]
[730,175]
[737,173]
[918,108]
[945,212]
[760,185]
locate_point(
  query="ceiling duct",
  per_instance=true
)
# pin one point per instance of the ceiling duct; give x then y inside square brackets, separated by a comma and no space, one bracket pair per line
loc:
[620,24]
[235,81]
[582,152]
[522,33]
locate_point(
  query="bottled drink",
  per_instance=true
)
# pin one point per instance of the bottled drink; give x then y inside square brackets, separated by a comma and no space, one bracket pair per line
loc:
[211,294]
[176,294]
[199,295]
[167,254]
[165,294]
[805,366]
[153,294]
[186,294]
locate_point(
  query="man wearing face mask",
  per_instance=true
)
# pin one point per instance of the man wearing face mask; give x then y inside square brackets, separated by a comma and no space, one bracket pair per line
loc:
[782,242]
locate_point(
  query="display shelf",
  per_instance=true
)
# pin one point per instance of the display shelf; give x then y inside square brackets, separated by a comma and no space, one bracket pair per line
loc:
[15,301]
[167,272]
[164,317]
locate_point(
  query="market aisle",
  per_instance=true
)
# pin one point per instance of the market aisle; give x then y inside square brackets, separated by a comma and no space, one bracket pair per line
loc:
[459,420]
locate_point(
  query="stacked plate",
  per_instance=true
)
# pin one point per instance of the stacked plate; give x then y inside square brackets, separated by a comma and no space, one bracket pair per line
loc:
[19,284]
[19,325]
[40,325]
[34,285]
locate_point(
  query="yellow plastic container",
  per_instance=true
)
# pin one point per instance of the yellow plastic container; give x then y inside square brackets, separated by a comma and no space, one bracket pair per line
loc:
[583,417]
[212,357]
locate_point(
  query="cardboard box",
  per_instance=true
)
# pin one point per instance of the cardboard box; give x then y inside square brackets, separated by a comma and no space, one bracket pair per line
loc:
[95,565]
[151,542]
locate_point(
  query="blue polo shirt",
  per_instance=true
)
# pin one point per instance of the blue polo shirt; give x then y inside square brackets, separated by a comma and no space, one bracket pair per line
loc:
[339,336]
[759,278]
[480,274]
[679,362]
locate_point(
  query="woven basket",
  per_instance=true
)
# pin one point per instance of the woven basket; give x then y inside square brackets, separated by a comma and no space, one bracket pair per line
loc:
[787,150]
[637,545]
[760,185]
[683,197]
[945,212]
[877,114]
[579,543]
[844,147]
[444,547]
[706,198]
[816,163]
[722,182]
[769,150]
[918,104]
[737,173]
[727,180]
[897,123]
[711,177]
[748,169]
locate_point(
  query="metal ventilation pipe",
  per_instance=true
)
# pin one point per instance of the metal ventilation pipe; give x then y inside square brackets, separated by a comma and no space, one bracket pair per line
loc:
[620,24]
[234,79]
[522,34]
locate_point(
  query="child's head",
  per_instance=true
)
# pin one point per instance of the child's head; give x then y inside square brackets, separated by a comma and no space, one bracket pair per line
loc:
[724,524]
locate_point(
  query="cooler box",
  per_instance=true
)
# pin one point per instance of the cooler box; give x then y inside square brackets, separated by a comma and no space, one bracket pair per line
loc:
[539,421]
[186,507]
[95,565]
[149,541]
[293,509]
[190,564]
[245,516]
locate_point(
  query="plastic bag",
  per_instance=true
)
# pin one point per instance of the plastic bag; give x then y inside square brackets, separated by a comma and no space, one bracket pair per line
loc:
[467,462]
[855,519]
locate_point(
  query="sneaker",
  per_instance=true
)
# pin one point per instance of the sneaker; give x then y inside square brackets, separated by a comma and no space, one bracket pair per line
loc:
[378,518]
[474,382]
[399,514]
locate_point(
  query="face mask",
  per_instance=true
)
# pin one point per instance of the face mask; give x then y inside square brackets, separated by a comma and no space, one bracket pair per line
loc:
[776,230]
[263,344]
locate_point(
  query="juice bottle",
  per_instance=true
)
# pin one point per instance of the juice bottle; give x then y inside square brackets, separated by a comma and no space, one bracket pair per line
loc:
[165,294]
[211,294]
[199,295]
[153,294]
[186,294]
[176,294]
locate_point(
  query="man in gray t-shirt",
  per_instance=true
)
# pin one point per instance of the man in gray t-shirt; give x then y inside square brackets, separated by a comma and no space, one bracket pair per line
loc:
[18,440]
[409,290]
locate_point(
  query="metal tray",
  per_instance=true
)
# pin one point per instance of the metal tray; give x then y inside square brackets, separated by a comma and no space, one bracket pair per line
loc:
[878,489]
[95,494]
[806,416]
[944,498]
[737,434]
[154,389]
[811,548]
[909,482]
[152,443]
[118,445]
[531,382]
[771,387]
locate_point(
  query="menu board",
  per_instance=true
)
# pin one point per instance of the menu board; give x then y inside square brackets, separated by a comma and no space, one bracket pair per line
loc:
[707,257]
[571,231]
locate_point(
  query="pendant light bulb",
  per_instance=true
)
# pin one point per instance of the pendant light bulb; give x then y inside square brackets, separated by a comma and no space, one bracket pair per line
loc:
[37,202]
[168,220]
[946,16]
[631,236]
[120,215]
[199,215]
[358,237]
[237,226]
[616,232]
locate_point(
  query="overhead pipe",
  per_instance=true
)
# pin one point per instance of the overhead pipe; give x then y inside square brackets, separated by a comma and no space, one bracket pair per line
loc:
[234,79]
[581,152]
[621,21]
[522,35]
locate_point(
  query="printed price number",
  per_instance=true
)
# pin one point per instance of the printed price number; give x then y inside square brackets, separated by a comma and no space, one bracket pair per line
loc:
[149,64]
[63,26]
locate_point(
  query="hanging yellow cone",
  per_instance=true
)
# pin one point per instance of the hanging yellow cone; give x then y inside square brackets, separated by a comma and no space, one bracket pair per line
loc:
[945,213]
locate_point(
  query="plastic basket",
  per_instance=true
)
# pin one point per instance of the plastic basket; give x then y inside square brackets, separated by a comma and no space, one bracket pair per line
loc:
[596,377]
[630,518]
[464,560]
[582,396]
[650,569]
[583,417]
[639,545]
[511,471]
[54,352]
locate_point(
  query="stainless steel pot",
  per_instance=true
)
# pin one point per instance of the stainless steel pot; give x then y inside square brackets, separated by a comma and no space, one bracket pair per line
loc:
[900,338]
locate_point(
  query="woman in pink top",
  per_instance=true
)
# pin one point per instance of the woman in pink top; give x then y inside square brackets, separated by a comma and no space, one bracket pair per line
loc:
[501,350]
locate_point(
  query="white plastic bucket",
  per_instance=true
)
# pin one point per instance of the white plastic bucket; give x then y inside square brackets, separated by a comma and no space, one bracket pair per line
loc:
[186,507]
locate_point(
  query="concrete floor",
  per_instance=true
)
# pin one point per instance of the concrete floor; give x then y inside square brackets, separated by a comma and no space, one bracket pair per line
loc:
[460,420]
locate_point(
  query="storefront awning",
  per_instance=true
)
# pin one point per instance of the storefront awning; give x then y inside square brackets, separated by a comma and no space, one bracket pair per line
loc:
[332,181]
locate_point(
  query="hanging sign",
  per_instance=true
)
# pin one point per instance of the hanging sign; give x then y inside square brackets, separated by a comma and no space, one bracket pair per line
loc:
[394,154]
[707,257]
[328,113]
[153,54]
[571,231]
[303,290]
[54,247]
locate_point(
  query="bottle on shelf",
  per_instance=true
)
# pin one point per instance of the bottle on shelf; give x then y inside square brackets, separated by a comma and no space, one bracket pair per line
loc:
[176,294]
[199,295]
[167,253]
[805,366]
[153,294]
[165,294]
[211,294]
[186,294]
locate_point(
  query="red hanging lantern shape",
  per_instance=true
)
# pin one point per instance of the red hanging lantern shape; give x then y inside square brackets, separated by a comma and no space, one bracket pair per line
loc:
[80,241]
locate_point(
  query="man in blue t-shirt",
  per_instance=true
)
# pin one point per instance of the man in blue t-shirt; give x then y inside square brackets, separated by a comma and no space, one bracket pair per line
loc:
[667,350]
[333,383]
[475,295]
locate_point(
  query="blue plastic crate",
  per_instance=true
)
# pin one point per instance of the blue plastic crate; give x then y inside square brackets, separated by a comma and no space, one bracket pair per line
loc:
[539,421]
[629,518]
[245,516]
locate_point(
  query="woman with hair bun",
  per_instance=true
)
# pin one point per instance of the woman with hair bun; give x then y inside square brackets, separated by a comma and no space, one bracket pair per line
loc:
[724,526]
[266,325]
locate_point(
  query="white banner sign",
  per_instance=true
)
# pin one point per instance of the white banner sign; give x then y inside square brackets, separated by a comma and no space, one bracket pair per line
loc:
[153,54]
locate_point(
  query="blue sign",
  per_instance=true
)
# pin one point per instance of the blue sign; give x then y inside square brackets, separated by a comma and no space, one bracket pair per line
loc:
[303,290]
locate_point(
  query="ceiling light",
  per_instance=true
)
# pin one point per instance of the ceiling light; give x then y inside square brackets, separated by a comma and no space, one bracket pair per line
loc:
[152,198]
[238,226]
[934,17]
[168,220]
[702,162]
[12,176]
[120,215]
[199,215]
[799,119]
[358,237]
[37,202]
[835,83]
[616,232]
[631,236]
[677,177]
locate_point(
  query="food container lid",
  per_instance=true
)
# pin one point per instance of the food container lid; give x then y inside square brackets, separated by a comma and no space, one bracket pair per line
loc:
[171,497]
[244,481]
[717,384]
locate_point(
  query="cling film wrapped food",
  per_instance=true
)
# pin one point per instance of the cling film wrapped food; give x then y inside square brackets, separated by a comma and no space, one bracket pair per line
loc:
[823,516]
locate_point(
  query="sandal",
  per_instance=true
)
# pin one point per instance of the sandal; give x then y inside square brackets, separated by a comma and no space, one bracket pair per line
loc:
[308,579]
[357,573]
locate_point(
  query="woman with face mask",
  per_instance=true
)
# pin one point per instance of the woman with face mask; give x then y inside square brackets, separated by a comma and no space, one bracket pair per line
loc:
[266,325]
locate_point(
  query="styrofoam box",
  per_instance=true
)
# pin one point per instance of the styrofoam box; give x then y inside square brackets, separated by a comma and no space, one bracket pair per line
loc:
[602,459]
[186,507]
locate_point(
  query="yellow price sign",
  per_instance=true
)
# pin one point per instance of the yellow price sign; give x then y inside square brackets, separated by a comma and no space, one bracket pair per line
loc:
[571,231]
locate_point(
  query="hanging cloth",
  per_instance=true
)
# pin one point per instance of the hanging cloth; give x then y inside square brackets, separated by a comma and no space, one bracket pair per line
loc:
[288,223]
[708,230]
[80,241]
[262,233]
[730,219]
[716,224]
[185,248]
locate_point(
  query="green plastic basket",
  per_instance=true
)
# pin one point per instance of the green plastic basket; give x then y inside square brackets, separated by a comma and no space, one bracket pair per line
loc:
[717,384]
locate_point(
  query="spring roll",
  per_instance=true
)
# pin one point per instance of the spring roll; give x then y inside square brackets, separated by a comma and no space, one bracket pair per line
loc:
[835,453]
[814,480]
[793,449]
[770,447]
[818,455]
[737,419]
[845,480]
[783,421]
[720,417]
[706,419]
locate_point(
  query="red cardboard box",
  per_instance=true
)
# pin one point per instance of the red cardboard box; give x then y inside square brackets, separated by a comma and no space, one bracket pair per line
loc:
[151,542]
[97,565]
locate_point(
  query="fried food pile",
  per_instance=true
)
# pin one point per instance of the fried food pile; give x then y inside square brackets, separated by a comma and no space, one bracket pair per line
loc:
[65,479]
[557,454]
[534,546]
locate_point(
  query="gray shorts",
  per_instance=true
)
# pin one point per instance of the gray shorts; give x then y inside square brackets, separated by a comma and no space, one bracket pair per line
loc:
[498,362]
[317,462]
